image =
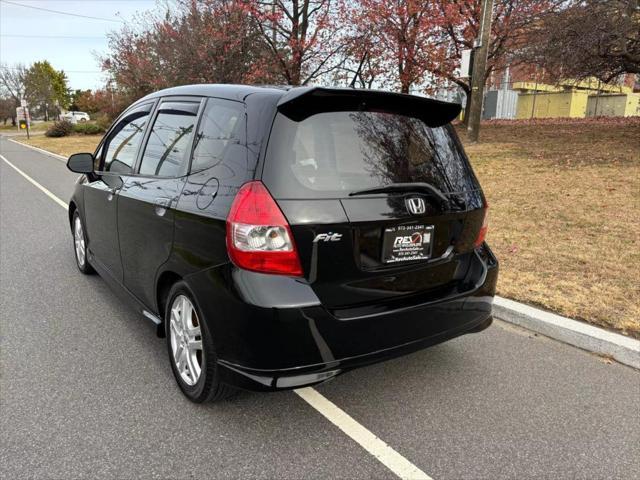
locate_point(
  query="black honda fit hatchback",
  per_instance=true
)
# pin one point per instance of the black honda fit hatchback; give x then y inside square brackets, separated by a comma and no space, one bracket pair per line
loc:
[278,237]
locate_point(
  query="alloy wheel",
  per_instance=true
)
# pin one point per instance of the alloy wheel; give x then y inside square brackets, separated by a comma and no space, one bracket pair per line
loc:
[78,239]
[186,340]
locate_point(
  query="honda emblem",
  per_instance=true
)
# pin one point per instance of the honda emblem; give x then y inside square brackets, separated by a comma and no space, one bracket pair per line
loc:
[416,205]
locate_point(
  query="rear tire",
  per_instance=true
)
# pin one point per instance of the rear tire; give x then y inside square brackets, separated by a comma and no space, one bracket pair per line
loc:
[190,346]
[80,244]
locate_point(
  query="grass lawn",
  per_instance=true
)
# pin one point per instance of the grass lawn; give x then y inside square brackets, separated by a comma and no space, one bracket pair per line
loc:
[564,216]
[64,146]
[564,213]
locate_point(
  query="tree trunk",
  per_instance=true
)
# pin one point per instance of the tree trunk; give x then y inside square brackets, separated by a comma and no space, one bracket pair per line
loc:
[467,106]
[296,55]
[295,72]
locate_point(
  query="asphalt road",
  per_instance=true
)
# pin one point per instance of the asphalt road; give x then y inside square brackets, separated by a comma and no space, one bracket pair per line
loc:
[86,389]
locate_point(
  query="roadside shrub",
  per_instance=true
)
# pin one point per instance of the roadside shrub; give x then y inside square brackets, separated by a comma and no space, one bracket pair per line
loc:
[61,128]
[88,128]
[103,121]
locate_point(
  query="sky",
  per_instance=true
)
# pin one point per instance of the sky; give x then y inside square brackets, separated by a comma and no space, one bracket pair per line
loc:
[69,42]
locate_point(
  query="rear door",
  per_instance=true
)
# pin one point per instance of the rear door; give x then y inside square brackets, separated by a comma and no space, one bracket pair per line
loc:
[147,200]
[382,206]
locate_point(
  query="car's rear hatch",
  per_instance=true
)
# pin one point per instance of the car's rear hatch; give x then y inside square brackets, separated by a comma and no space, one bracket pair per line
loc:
[383,205]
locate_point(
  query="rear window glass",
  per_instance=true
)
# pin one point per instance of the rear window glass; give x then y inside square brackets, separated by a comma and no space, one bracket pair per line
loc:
[330,155]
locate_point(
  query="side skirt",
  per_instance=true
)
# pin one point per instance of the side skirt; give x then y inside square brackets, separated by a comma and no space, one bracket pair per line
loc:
[125,294]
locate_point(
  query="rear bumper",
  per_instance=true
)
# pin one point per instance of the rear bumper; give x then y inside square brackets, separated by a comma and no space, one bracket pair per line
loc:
[284,379]
[279,338]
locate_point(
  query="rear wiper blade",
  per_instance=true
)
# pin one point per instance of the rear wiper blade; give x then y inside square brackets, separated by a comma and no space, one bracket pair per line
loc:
[404,187]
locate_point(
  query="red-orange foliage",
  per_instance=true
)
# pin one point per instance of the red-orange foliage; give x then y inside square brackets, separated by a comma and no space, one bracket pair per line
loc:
[397,37]
[302,35]
[106,101]
[401,44]
[203,41]
[511,21]
[418,41]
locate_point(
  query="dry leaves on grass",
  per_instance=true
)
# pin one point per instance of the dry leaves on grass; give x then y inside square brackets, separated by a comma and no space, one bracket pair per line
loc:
[64,146]
[564,208]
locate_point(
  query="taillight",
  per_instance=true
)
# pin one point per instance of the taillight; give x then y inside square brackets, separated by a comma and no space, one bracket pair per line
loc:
[258,236]
[483,229]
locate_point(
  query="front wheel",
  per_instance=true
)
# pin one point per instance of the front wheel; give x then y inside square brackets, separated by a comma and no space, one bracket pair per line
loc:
[80,245]
[191,352]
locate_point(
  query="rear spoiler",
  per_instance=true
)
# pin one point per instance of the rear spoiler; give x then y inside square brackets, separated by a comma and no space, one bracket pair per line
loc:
[300,103]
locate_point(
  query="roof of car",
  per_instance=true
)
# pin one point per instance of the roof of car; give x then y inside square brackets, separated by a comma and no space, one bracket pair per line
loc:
[300,102]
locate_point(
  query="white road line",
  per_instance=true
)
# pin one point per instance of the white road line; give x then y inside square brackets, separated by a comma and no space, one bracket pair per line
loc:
[46,192]
[386,455]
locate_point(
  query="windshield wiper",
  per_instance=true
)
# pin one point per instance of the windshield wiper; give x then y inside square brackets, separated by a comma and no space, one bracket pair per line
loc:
[405,187]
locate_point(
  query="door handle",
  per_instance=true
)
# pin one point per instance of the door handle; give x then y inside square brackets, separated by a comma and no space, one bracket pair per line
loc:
[111,192]
[161,205]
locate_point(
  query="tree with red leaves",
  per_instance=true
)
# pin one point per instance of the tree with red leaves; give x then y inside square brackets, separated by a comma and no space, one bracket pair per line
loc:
[511,21]
[302,36]
[418,42]
[398,37]
[202,41]
[592,38]
[105,101]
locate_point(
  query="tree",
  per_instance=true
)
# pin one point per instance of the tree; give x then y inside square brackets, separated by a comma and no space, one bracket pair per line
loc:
[399,36]
[104,101]
[198,41]
[302,35]
[88,101]
[511,22]
[12,84]
[7,110]
[359,68]
[592,38]
[73,99]
[46,88]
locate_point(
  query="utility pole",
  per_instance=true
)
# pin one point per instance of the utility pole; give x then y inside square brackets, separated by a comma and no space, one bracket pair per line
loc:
[479,68]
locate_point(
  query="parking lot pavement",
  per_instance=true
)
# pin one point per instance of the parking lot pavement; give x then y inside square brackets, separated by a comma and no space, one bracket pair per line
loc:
[86,389]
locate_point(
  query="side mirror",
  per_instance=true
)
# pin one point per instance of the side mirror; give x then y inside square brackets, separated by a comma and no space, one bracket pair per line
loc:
[80,163]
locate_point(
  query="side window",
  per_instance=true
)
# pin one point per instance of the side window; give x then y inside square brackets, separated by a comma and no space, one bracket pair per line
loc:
[221,126]
[169,144]
[119,150]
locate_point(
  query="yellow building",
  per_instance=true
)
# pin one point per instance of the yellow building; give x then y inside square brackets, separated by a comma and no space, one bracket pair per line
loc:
[552,105]
[614,105]
[571,99]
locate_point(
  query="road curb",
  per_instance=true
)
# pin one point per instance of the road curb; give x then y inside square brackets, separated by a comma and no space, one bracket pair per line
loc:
[587,337]
[45,152]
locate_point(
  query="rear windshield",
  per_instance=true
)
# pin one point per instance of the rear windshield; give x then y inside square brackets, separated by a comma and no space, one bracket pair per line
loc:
[332,154]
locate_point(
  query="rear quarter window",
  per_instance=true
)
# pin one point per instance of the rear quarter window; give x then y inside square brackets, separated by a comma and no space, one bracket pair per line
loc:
[331,154]
[221,128]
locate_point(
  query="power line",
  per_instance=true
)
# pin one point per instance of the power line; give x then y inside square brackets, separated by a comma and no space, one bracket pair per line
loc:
[52,36]
[65,71]
[60,12]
